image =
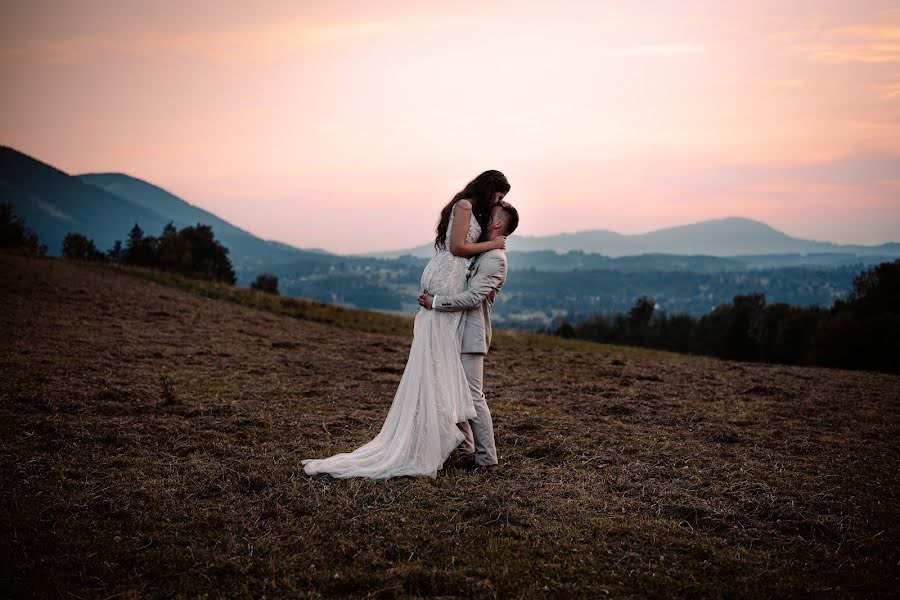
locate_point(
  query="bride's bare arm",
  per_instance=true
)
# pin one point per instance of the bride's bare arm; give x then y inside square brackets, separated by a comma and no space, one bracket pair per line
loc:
[462,213]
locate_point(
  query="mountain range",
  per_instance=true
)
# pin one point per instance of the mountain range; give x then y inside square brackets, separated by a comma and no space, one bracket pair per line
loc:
[729,236]
[689,268]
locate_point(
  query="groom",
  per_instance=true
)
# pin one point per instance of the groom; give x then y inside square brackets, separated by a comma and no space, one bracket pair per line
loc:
[486,276]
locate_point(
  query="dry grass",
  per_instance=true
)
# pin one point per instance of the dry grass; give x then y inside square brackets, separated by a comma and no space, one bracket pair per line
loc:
[350,318]
[151,444]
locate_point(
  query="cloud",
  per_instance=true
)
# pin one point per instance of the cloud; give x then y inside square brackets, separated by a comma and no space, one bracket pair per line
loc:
[237,45]
[666,49]
[847,44]
[864,170]
[785,83]
[890,91]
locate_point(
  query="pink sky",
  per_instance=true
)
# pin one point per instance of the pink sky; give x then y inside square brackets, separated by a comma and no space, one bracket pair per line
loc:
[348,125]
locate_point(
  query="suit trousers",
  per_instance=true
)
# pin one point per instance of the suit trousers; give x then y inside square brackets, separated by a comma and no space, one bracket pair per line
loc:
[479,431]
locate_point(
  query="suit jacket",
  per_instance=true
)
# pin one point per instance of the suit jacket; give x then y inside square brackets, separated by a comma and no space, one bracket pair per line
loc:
[487,275]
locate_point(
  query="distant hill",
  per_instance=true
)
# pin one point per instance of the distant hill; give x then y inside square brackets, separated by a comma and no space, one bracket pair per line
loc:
[104,207]
[54,203]
[730,236]
[247,250]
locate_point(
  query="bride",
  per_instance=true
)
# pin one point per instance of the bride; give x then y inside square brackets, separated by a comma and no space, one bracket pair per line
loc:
[420,430]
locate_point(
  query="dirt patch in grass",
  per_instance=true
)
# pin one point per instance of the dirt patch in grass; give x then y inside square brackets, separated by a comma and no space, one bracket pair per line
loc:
[151,438]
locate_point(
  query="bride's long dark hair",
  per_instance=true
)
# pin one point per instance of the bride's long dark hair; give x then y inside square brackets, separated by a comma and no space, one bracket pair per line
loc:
[480,191]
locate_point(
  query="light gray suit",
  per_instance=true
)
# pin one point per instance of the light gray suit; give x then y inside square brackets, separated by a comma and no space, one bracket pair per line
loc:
[487,275]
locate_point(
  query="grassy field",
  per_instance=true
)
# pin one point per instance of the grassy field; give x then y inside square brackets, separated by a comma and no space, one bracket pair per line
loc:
[153,427]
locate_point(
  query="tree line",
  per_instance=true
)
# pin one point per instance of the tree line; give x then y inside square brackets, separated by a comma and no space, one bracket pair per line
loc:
[192,251]
[861,332]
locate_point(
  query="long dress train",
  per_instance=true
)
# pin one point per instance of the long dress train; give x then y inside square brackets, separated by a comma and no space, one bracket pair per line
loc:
[420,430]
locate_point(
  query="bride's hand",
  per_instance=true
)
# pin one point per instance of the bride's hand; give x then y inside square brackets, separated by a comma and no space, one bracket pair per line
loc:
[426,299]
[499,242]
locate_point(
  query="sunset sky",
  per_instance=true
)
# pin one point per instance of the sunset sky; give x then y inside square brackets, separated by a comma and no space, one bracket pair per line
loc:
[347,125]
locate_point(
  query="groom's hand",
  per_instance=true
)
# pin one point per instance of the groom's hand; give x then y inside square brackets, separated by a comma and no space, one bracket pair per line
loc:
[426,300]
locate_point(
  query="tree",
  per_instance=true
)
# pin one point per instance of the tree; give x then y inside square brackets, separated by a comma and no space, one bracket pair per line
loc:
[675,332]
[639,319]
[743,333]
[864,330]
[174,252]
[209,258]
[266,282]
[115,255]
[135,236]
[14,233]
[877,289]
[140,250]
[79,247]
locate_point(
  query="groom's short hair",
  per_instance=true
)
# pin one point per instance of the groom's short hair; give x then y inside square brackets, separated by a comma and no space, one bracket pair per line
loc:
[512,214]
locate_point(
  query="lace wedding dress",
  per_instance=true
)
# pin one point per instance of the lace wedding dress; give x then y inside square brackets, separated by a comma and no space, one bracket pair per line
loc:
[420,430]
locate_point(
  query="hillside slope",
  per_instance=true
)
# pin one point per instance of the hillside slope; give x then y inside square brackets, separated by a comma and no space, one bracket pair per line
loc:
[54,203]
[151,438]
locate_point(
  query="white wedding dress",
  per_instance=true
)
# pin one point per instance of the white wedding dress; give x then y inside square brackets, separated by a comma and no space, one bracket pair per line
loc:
[420,430]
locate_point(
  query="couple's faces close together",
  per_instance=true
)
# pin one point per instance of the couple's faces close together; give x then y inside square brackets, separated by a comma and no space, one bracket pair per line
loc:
[498,217]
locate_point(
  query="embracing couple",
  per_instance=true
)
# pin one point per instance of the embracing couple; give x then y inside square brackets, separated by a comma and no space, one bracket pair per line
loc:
[440,404]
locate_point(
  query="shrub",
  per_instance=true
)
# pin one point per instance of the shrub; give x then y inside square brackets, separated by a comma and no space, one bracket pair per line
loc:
[79,247]
[266,282]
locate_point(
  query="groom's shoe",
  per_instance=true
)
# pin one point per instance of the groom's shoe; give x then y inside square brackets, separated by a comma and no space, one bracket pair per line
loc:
[461,459]
[463,452]
[475,467]
[466,448]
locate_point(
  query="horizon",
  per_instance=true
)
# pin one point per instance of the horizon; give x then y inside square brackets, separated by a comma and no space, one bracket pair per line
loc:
[347,127]
[639,233]
[517,234]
